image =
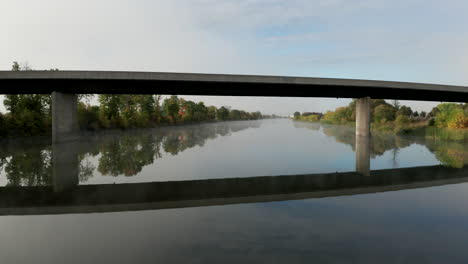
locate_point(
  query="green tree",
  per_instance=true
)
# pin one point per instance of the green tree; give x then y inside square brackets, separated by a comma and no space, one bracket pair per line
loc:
[256,115]
[402,119]
[29,114]
[451,115]
[171,108]
[235,114]
[3,127]
[201,112]
[157,108]
[376,102]
[396,104]
[88,116]
[405,110]
[128,111]
[222,113]
[146,104]
[109,105]
[297,115]
[433,112]
[211,113]
[16,66]
[384,113]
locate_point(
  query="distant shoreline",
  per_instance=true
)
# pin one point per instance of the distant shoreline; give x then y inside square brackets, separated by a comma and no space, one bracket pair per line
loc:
[418,130]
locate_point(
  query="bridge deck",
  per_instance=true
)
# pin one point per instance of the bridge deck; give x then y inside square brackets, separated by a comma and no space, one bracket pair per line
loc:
[107,82]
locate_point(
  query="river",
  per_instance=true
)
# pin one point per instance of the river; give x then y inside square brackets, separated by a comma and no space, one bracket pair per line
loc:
[328,214]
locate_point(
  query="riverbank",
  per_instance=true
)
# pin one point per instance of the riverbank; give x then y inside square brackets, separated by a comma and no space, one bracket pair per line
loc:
[417,129]
[31,115]
[446,121]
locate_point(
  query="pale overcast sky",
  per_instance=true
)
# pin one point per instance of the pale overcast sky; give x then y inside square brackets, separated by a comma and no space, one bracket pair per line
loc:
[399,40]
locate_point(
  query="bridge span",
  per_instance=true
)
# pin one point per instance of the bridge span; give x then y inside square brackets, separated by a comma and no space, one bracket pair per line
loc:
[196,193]
[113,82]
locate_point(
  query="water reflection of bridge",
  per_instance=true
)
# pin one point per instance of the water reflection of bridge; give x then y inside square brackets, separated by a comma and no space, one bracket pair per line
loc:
[179,194]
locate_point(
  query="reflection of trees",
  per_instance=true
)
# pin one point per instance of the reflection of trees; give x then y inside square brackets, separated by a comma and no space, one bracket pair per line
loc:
[449,153]
[379,144]
[120,154]
[313,126]
[128,154]
[29,168]
[86,168]
[3,161]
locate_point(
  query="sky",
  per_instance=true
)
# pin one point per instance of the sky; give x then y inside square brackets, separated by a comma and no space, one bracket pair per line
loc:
[398,40]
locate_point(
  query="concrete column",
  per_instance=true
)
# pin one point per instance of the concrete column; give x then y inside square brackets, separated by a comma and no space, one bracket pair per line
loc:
[65,165]
[363,117]
[64,117]
[363,135]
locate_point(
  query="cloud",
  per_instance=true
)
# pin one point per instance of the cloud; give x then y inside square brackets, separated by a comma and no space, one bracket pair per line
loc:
[419,41]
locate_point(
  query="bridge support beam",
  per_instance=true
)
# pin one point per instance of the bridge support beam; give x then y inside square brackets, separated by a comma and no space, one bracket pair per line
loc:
[363,108]
[64,117]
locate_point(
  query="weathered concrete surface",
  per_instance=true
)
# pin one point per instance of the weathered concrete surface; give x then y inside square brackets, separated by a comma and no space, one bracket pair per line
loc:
[193,193]
[102,82]
[64,117]
[363,108]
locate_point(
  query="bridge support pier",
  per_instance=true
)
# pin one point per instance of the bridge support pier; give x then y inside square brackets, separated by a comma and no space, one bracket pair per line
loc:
[64,117]
[363,117]
[363,108]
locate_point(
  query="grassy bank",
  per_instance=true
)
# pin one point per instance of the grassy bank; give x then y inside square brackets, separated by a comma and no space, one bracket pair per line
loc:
[451,134]
[446,121]
[418,129]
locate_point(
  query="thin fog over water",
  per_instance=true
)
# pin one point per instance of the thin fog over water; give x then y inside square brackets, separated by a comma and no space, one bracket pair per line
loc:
[222,150]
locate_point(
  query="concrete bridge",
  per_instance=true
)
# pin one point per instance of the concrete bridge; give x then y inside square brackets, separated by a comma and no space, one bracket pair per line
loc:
[64,85]
[195,193]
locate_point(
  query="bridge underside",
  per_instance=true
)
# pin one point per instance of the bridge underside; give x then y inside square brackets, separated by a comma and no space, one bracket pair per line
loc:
[77,82]
[225,89]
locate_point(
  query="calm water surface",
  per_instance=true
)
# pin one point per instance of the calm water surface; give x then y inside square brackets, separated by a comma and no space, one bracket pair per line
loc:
[421,225]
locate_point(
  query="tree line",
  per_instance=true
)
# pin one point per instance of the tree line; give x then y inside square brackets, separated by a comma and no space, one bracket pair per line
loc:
[30,114]
[132,111]
[394,115]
